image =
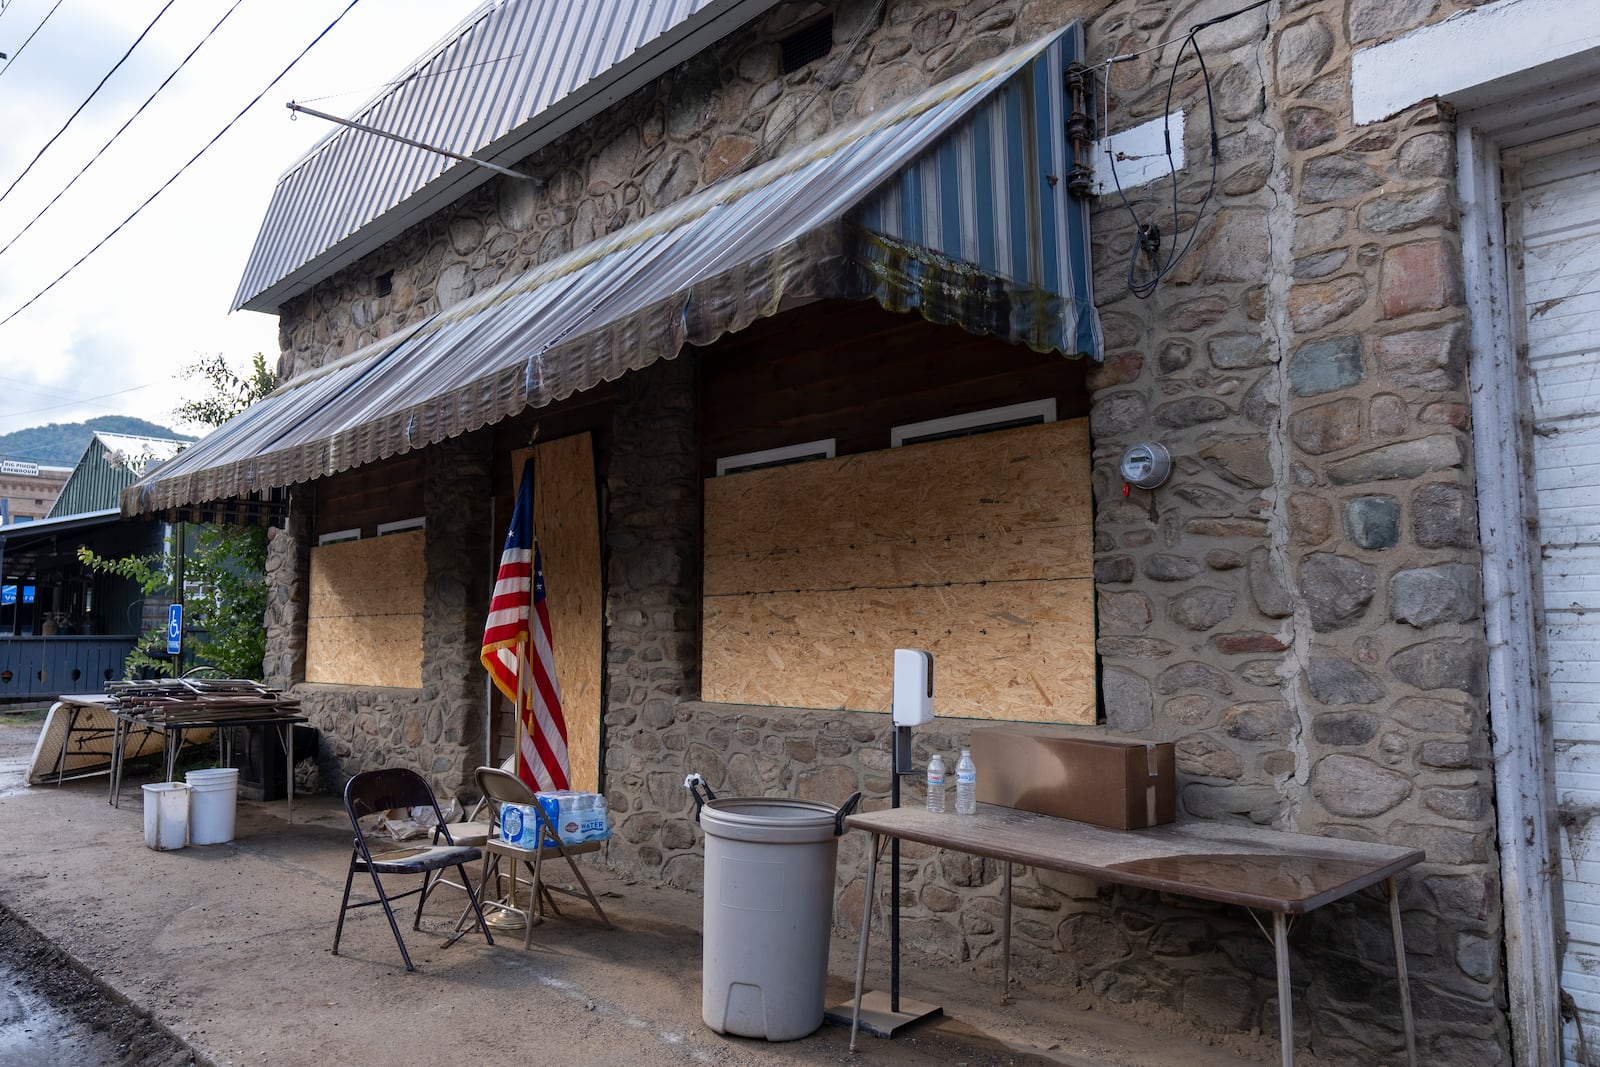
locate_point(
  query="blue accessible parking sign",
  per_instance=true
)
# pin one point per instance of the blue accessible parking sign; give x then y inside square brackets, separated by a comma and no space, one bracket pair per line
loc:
[174,629]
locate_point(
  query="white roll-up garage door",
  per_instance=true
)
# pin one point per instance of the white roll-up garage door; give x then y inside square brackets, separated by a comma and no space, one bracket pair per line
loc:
[1555,208]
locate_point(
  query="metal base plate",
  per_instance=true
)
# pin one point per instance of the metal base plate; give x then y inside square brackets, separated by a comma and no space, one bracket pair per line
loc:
[504,920]
[877,1019]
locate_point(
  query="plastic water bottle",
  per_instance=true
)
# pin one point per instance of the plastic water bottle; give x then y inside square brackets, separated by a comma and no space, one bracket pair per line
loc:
[936,785]
[966,785]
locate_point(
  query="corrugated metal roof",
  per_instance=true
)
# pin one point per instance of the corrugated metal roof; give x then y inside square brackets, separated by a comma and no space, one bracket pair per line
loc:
[13,538]
[781,234]
[110,463]
[511,78]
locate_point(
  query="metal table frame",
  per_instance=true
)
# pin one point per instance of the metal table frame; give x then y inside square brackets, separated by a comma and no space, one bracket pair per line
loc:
[74,705]
[172,737]
[1285,874]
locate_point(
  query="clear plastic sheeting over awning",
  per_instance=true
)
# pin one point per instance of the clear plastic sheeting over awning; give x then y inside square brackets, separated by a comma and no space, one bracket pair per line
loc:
[898,208]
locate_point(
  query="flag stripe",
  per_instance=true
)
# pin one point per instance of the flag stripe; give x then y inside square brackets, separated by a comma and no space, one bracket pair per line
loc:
[518,654]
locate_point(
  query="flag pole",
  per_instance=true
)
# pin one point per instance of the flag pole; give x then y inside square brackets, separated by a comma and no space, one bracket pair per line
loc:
[524,699]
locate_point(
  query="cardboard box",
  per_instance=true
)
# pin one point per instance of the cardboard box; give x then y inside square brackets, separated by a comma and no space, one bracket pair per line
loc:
[1125,784]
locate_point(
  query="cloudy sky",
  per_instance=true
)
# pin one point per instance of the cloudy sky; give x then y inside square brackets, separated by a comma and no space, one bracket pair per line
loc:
[111,336]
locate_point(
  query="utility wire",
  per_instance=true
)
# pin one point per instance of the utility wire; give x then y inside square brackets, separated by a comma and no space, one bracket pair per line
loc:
[115,67]
[1149,241]
[15,237]
[33,387]
[85,400]
[179,172]
[31,36]
[416,76]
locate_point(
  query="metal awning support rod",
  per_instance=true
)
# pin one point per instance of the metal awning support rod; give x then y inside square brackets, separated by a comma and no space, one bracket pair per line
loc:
[497,168]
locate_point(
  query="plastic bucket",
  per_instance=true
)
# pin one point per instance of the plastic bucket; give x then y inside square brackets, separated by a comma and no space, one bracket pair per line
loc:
[166,815]
[213,796]
[768,915]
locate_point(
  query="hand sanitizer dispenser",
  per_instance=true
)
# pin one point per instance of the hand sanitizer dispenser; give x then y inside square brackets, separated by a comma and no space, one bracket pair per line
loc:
[913,687]
[913,700]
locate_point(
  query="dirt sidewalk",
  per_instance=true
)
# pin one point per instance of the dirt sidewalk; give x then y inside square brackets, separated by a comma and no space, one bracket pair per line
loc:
[227,946]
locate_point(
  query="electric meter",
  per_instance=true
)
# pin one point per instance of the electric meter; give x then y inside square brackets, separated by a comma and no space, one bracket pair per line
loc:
[1146,464]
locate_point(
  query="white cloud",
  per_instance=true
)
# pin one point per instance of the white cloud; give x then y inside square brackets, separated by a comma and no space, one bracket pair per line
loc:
[110,338]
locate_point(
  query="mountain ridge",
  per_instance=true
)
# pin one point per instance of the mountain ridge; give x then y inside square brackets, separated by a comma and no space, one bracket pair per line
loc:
[61,444]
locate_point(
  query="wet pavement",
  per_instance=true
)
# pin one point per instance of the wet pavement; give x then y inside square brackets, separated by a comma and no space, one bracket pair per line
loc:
[36,1033]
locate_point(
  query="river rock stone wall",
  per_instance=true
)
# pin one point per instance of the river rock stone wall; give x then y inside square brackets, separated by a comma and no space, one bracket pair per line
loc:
[652,610]
[438,729]
[1297,608]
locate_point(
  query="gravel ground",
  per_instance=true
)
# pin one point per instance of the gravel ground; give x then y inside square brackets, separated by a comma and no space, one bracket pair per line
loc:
[51,1012]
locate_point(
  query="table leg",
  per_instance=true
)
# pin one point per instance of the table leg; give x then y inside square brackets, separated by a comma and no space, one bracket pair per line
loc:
[116,758]
[1400,973]
[66,740]
[288,775]
[1280,946]
[866,927]
[172,741]
[1005,937]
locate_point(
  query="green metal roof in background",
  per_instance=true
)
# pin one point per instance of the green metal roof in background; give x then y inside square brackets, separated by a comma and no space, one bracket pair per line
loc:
[110,463]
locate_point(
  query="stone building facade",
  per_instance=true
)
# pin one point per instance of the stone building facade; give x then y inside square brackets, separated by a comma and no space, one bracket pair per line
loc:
[1298,609]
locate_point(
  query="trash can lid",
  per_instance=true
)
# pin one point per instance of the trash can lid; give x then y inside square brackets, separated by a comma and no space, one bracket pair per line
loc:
[775,820]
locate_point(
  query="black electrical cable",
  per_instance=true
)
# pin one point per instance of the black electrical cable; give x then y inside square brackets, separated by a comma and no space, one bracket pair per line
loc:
[16,236]
[1145,287]
[1148,239]
[179,172]
[115,67]
[31,36]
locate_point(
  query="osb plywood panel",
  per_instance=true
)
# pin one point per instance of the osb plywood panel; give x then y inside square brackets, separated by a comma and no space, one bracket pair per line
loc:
[1023,651]
[566,520]
[979,549]
[364,623]
[370,650]
[1001,506]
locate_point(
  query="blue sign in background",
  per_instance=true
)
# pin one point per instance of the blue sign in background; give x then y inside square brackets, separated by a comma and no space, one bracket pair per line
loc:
[8,594]
[174,629]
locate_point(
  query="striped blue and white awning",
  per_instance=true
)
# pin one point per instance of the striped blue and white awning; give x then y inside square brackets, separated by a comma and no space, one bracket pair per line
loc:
[953,204]
[992,195]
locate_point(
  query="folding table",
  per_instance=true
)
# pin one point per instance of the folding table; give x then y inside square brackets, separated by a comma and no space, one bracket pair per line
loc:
[1274,871]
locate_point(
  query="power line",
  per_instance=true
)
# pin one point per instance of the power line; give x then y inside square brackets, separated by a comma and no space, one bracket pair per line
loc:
[31,36]
[85,400]
[123,129]
[179,173]
[414,75]
[70,118]
[33,387]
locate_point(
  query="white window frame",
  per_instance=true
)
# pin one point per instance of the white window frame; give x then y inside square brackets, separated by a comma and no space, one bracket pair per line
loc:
[777,457]
[338,537]
[1028,413]
[401,525]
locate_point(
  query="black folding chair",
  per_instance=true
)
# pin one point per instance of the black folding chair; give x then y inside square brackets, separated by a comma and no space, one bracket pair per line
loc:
[372,792]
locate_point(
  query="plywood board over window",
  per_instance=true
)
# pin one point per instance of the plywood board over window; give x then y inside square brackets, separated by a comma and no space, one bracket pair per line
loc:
[567,523]
[364,624]
[979,549]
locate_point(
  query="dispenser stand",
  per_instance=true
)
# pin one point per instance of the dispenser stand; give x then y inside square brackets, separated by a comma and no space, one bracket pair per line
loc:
[886,1014]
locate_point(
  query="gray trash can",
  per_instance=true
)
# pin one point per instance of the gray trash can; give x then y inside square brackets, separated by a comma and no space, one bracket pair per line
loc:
[768,914]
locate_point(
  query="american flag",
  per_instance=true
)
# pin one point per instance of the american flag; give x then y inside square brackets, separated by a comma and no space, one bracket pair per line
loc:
[516,651]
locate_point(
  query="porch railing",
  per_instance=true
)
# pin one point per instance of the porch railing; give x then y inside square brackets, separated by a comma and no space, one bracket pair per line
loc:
[42,668]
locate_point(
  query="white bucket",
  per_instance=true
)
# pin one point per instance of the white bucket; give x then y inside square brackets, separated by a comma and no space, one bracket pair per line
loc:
[166,815]
[213,796]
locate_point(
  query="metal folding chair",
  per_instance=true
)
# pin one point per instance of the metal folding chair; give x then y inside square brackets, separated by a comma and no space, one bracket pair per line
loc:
[502,787]
[475,830]
[372,792]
